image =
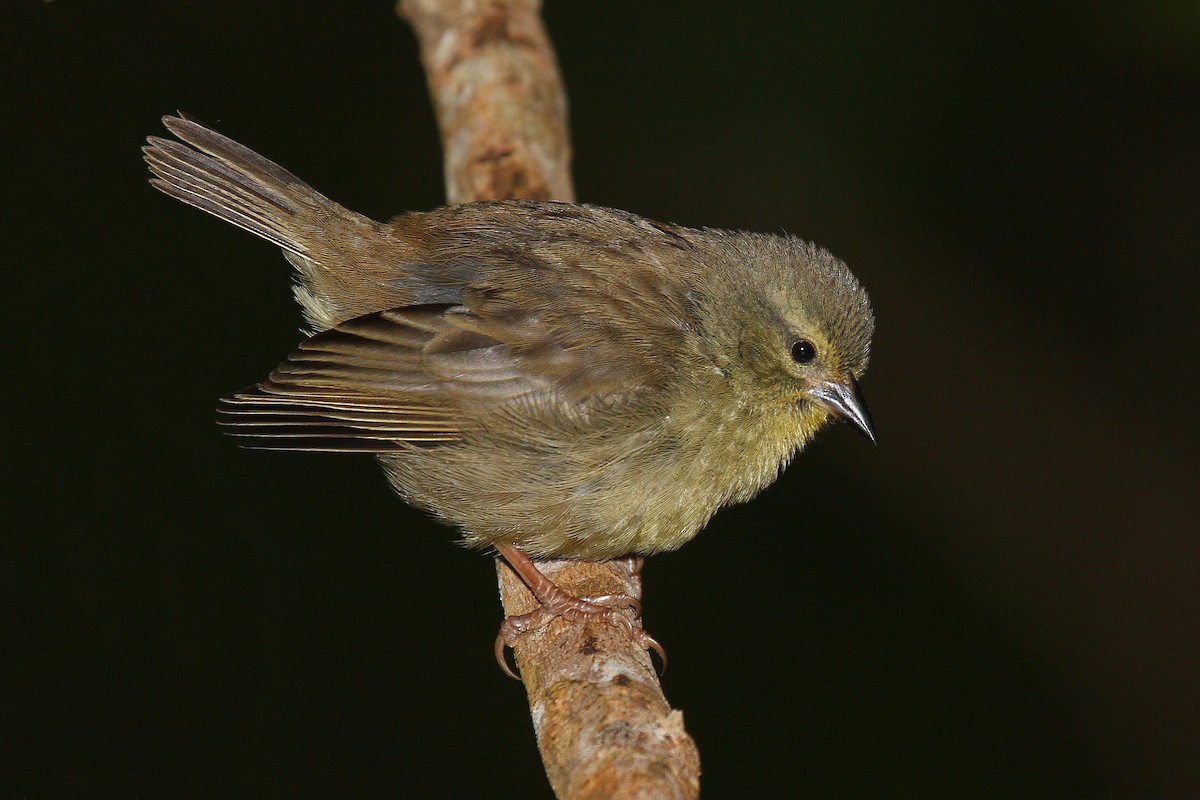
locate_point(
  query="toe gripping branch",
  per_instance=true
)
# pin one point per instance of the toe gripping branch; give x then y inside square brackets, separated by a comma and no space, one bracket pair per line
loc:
[554,602]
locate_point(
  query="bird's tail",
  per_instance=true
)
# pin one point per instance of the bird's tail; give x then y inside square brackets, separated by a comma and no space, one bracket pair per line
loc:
[327,243]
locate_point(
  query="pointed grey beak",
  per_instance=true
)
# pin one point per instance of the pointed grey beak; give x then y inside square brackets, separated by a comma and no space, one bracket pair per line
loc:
[844,400]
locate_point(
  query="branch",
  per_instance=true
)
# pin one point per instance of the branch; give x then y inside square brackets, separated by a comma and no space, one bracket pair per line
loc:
[603,726]
[499,98]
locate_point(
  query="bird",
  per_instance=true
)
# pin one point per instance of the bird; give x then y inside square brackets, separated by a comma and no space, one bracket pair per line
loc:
[554,380]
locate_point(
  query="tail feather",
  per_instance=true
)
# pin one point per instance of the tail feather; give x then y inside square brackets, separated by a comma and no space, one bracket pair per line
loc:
[342,257]
[239,186]
[263,171]
[192,177]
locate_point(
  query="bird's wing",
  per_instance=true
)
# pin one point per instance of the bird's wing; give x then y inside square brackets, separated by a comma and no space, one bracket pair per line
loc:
[425,375]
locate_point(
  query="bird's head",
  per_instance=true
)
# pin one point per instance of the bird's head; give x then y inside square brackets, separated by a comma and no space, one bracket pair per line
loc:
[801,325]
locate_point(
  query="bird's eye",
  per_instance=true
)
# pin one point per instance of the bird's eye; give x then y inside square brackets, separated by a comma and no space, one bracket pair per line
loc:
[803,351]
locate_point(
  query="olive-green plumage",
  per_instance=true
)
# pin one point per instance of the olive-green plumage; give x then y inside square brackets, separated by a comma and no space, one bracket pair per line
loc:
[570,380]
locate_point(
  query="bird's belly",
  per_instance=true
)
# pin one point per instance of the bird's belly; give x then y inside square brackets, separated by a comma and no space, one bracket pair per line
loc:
[641,492]
[552,505]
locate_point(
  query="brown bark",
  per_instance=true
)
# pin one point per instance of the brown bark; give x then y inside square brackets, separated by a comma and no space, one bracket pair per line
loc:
[603,726]
[499,98]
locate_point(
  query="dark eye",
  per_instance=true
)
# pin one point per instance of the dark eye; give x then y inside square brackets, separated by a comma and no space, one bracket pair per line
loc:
[803,351]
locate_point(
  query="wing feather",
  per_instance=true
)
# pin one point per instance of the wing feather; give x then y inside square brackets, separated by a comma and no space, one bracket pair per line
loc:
[548,327]
[378,383]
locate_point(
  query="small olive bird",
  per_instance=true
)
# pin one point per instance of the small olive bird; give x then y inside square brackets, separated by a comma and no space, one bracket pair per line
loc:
[556,380]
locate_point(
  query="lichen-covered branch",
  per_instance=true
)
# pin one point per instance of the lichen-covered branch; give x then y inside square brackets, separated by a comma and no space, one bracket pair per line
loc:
[603,726]
[499,98]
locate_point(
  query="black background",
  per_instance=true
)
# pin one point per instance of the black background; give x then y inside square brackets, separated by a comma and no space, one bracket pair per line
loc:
[1000,601]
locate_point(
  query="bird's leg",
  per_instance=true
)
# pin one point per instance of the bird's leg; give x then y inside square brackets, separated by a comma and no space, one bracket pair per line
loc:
[554,602]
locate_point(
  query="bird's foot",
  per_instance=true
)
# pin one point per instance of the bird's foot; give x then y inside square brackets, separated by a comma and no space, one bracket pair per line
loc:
[554,602]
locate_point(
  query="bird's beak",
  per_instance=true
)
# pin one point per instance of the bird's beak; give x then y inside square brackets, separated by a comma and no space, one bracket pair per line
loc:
[844,400]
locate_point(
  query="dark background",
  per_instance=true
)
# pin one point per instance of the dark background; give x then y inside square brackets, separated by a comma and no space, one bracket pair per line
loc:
[1000,601]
